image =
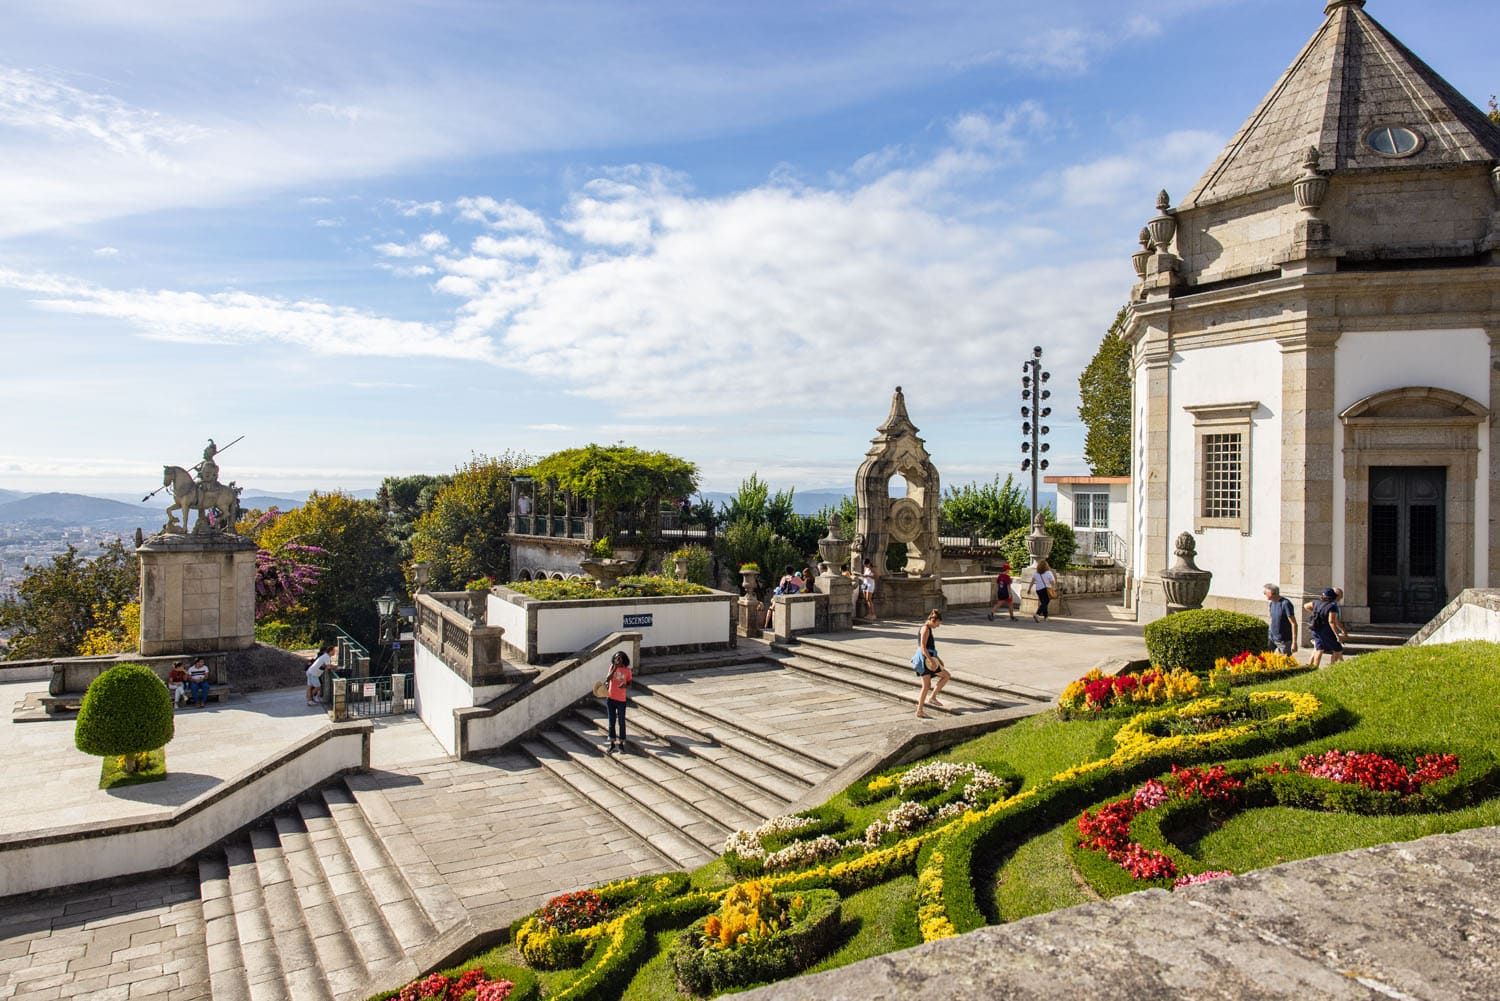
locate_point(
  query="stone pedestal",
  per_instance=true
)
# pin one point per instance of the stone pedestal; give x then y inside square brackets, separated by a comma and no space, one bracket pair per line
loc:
[752,614]
[901,597]
[1027,602]
[197,594]
[842,593]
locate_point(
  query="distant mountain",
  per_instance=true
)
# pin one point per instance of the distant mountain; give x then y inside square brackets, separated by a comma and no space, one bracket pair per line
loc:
[265,502]
[77,509]
[7,496]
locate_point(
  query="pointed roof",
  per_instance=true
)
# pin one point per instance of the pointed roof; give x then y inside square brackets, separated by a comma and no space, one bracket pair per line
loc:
[897,421]
[1352,77]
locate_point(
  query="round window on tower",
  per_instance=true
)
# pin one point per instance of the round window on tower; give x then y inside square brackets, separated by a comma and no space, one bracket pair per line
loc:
[1393,140]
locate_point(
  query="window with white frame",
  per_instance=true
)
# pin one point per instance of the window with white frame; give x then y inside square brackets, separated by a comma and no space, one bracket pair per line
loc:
[1222,490]
[1091,510]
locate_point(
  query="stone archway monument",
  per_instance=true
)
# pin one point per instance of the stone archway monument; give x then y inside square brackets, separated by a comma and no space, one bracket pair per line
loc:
[913,519]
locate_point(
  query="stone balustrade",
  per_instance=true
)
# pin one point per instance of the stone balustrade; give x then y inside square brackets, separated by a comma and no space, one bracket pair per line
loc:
[447,627]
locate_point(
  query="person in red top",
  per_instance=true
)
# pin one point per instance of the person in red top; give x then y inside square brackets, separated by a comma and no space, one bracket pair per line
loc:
[618,678]
[177,680]
[1004,592]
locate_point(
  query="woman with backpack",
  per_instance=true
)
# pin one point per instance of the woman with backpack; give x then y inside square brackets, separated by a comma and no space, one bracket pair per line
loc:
[1328,633]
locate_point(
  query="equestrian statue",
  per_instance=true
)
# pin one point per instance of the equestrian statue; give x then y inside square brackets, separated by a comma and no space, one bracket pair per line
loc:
[217,504]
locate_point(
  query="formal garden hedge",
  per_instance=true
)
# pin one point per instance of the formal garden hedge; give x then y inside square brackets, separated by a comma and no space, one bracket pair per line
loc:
[1196,638]
[1042,814]
[127,715]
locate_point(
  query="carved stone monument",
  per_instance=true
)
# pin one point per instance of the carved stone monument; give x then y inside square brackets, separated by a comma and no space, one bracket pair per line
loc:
[897,451]
[198,584]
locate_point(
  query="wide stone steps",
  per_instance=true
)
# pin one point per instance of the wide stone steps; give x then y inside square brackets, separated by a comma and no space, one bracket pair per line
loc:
[311,905]
[841,663]
[627,811]
[746,760]
[659,765]
[797,763]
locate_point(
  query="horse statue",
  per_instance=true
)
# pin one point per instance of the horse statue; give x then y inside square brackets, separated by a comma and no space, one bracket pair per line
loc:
[190,495]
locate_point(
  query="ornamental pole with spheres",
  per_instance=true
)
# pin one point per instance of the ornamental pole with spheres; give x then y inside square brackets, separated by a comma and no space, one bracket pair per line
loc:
[1034,409]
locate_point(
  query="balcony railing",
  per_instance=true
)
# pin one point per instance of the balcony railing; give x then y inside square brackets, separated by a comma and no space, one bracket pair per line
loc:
[460,640]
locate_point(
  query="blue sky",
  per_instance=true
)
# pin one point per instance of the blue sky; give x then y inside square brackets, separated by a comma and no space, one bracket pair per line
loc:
[378,237]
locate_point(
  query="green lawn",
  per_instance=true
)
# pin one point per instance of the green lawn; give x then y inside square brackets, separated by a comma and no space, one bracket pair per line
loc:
[1434,698]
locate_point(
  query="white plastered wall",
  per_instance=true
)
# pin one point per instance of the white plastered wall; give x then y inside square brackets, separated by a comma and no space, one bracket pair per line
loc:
[1236,373]
[1137,516]
[1366,363]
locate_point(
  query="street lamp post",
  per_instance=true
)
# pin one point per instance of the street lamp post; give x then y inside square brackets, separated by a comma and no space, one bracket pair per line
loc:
[385,608]
[1034,409]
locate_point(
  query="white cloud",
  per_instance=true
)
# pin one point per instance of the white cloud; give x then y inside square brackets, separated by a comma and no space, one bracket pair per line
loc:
[412,209]
[328,223]
[106,252]
[45,104]
[549,427]
[506,215]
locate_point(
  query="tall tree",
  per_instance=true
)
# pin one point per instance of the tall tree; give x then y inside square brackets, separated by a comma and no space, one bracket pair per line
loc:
[404,499]
[1494,110]
[58,604]
[1104,404]
[461,536]
[991,510]
[347,540]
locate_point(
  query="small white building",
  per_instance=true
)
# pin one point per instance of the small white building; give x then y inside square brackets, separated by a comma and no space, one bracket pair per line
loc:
[1316,343]
[1098,510]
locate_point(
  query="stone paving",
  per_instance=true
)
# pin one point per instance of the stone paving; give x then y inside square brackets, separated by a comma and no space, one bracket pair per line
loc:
[50,783]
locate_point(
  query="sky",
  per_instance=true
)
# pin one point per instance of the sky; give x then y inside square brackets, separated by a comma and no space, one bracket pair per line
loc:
[378,238]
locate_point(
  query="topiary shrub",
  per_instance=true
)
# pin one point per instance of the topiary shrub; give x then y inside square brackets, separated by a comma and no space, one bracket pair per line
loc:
[1064,546]
[1196,638]
[127,711]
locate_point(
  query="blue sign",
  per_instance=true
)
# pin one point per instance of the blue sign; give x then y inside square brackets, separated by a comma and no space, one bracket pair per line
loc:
[638,621]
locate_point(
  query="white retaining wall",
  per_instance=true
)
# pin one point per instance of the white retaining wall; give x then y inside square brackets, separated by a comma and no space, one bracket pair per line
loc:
[558,688]
[440,691]
[971,592]
[87,852]
[563,627]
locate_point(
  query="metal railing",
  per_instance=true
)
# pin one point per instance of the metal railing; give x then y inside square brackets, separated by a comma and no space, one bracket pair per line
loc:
[1098,543]
[377,696]
[353,656]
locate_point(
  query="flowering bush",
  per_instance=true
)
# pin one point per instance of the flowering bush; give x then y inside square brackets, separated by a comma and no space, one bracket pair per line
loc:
[905,817]
[1097,692]
[755,935]
[1202,877]
[748,913]
[931,917]
[1109,830]
[473,982]
[573,911]
[750,844]
[800,854]
[1246,662]
[546,948]
[979,784]
[1378,772]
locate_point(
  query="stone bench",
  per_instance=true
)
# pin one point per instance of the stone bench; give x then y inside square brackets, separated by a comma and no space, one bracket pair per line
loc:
[57,705]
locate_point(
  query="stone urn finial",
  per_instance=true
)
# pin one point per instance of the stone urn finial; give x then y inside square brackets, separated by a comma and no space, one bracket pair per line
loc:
[1164,227]
[1039,543]
[1185,584]
[832,547]
[1140,257]
[1311,188]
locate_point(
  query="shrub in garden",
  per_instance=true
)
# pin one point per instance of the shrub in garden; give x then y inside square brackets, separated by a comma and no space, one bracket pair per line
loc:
[1064,546]
[127,711]
[756,935]
[1198,637]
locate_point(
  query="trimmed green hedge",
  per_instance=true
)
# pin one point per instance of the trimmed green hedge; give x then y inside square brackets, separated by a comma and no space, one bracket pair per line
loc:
[127,711]
[712,971]
[1194,639]
[642,586]
[1064,546]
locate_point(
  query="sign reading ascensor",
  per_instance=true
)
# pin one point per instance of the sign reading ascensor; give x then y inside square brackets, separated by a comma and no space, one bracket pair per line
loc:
[638,621]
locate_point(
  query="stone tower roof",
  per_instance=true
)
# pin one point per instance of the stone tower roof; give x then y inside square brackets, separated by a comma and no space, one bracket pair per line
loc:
[1350,78]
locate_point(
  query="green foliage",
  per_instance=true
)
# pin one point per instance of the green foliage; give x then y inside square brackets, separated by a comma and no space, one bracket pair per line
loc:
[1064,546]
[638,586]
[616,477]
[404,499]
[1494,110]
[990,510]
[700,564]
[114,770]
[58,603]
[761,515]
[358,561]
[126,711]
[602,548]
[462,535]
[746,541]
[709,971]
[286,635]
[1194,639]
[1104,404]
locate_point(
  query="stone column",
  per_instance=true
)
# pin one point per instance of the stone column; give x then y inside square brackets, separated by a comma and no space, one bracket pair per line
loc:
[1308,465]
[1155,351]
[197,594]
[340,708]
[1493,542]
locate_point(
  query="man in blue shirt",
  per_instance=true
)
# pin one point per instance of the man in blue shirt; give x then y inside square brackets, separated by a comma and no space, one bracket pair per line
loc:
[1283,620]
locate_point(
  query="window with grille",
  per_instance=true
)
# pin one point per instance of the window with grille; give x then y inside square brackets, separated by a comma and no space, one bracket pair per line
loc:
[1223,453]
[1223,464]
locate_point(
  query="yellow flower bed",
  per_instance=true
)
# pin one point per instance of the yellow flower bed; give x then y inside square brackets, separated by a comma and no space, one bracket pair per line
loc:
[1269,662]
[748,913]
[930,914]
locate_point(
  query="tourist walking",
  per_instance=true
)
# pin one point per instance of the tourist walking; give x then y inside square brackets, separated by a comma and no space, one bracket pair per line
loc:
[928,664]
[177,681]
[618,680]
[867,590]
[198,682]
[1328,633]
[1281,615]
[1004,592]
[1044,586]
[322,662]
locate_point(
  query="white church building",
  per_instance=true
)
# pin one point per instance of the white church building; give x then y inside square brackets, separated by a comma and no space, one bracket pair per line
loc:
[1314,335]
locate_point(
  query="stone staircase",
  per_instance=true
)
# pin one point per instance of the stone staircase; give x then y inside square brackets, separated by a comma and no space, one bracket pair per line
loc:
[313,905]
[840,664]
[1371,638]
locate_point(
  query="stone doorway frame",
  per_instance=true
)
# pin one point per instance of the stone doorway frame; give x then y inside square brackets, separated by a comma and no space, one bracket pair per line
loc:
[1410,426]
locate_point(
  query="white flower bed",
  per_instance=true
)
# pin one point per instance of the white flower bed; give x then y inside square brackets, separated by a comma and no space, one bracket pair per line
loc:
[747,844]
[907,816]
[804,853]
[946,773]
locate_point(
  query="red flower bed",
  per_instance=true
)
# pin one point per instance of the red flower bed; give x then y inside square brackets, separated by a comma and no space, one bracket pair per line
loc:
[1375,772]
[574,911]
[472,982]
[1108,831]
